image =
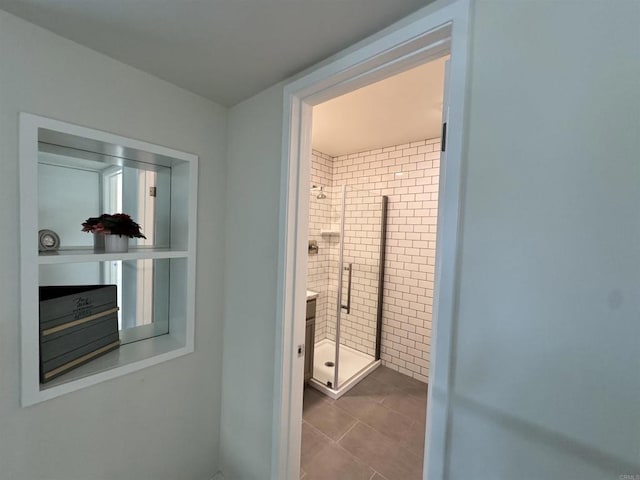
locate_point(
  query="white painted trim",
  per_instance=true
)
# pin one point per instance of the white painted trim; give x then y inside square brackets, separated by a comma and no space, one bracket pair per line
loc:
[77,130]
[130,357]
[445,299]
[396,49]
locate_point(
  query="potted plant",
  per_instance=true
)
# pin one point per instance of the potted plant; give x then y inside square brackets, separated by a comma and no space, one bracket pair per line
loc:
[115,229]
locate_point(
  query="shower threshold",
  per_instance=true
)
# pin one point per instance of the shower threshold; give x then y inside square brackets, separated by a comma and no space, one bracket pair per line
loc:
[354,366]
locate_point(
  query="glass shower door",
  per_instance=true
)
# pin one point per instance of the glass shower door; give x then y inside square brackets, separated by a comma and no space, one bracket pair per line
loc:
[354,277]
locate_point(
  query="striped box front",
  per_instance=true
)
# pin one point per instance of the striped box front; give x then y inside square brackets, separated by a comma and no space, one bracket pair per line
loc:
[77,324]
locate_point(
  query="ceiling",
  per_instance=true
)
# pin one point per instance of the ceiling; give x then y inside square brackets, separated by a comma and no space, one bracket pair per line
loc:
[224,50]
[400,109]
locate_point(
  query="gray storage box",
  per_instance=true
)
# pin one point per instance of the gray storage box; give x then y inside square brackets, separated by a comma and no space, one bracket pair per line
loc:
[77,324]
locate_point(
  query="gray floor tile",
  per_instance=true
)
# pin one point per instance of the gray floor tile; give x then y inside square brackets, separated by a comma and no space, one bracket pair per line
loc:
[407,404]
[373,389]
[335,463]
[357,405]
[398,380]
[380,423]
[383,454]
[313,442]
[414,439]
[330,420]
[313,398]
[420,391]
[388,422]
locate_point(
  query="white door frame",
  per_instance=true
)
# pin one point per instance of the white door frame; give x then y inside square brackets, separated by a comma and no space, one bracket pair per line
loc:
[438,29]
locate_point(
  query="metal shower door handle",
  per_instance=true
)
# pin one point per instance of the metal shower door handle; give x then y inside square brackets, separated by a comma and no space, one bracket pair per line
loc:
[348,305]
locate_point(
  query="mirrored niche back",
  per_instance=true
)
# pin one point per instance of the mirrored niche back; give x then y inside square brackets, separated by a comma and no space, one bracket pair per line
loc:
[107,182]
[142,291]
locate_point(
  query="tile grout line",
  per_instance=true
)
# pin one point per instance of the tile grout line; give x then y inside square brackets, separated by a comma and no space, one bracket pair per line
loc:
[350,428]
[412,422]
[335,442]
[398,412]
[354,457]
[375,472]
[400,444]
[361,461]
[319,431]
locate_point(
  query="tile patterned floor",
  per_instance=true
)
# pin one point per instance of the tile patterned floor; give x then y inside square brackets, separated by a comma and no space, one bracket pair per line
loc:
[374,432]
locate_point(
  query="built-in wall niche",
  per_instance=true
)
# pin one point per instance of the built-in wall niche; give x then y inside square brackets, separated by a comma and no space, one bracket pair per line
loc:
[69,173]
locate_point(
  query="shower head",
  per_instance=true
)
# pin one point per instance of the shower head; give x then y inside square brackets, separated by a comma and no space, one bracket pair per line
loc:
[320,195]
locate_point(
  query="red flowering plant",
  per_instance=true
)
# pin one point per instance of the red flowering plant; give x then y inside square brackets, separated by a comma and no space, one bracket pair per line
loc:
[116,224]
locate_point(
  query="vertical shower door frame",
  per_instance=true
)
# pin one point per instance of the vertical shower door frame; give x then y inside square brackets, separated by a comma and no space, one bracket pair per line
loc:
[336,362]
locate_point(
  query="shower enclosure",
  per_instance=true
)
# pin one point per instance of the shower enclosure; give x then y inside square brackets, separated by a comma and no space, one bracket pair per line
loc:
[347,347]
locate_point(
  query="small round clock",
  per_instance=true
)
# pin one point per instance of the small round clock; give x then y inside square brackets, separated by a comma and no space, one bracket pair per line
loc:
[48,241]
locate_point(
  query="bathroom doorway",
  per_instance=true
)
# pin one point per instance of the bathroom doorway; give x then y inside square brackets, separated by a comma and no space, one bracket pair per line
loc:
[396,50]
[372,230]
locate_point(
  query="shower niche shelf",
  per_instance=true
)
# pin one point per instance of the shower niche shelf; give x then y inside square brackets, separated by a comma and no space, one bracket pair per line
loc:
[329,232]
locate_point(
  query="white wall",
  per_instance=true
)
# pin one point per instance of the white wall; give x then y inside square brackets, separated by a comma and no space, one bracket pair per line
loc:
[546,380]
[547,375]
[160,423]
[320,213]
[253,193]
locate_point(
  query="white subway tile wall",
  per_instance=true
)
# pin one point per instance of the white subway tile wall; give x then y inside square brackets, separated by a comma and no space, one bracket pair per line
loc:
[408,174]
[319,217]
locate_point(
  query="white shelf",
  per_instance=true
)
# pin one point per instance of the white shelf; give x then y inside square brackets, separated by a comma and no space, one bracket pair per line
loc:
[82,255]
